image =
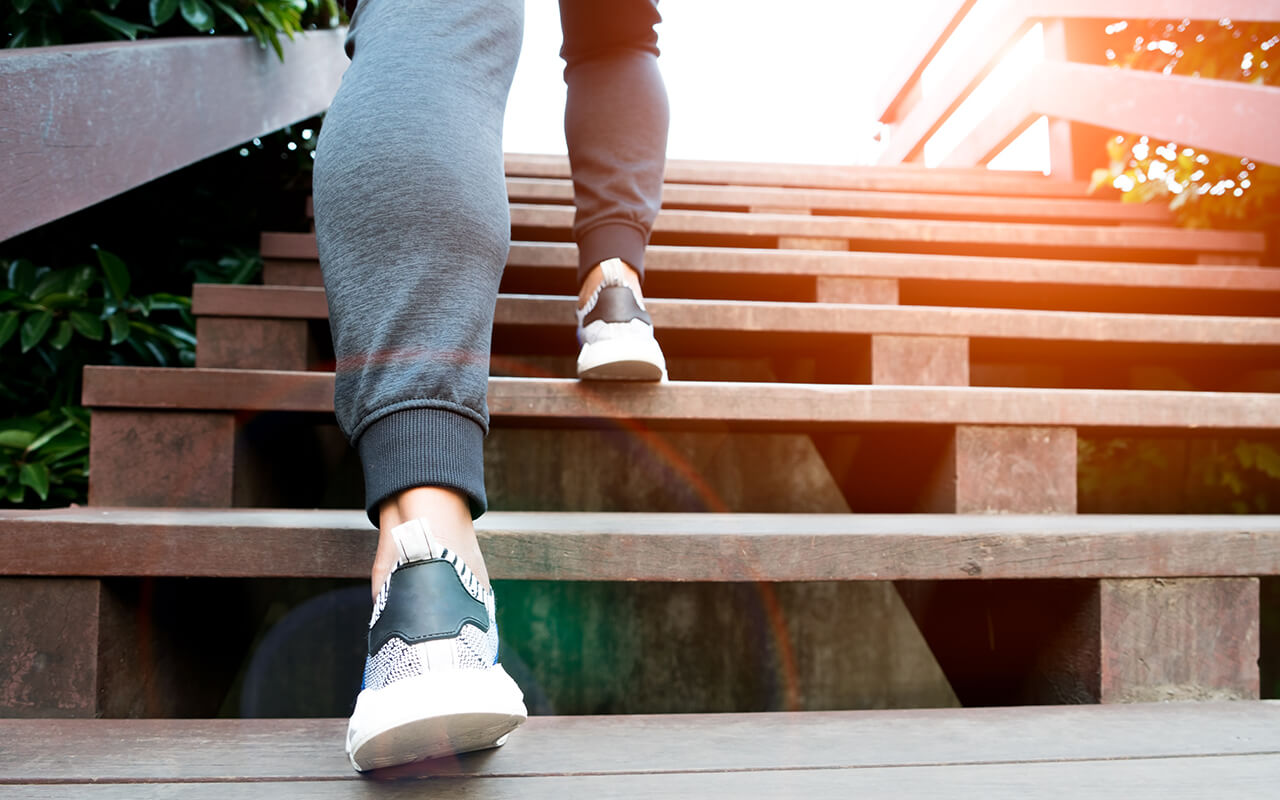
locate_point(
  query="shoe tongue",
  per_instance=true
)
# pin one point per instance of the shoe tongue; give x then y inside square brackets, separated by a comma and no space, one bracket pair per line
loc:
[611,272]
[415,542]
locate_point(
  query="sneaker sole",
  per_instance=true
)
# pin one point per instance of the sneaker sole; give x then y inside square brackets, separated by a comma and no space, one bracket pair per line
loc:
[433,715]
[629,359]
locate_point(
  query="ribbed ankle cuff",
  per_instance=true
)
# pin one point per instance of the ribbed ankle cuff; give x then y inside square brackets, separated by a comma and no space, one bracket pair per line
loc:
[422,447]
[611,240]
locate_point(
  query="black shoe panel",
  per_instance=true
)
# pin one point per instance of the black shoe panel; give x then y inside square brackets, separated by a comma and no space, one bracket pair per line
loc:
[616,304]
[426,601]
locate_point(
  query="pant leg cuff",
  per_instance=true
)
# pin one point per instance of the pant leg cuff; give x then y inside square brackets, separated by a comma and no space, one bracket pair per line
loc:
[611,240]
[422,447]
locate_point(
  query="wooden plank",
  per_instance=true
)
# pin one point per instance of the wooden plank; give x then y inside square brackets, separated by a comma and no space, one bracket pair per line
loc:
[259,343]
[213,750]
[161,458]
[773,199]
[904,178]
[791,405]
[1229,776]
[728,261]
[627,546]
[1188,639]
[830,317]
[933,232]
[66,144]
[1210,114]
[48,647]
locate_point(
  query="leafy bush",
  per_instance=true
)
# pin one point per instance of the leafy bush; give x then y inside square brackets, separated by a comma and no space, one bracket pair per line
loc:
[1204,188]
[52,323]
[35,23]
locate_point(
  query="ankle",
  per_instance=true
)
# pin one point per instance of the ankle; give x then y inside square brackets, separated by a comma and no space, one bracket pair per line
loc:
[448,515]
[596,276]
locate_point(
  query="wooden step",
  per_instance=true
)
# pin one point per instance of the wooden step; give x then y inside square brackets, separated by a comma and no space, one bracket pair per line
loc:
[864,203]
[619,547]
[1201,750]
[760,199]
[899,178]
[915,279]
[928,235]
[804,406]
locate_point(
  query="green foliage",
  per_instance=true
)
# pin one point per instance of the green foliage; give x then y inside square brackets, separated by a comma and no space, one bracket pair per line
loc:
[1202,476]
[52,323]
[1205,189]
[36,23]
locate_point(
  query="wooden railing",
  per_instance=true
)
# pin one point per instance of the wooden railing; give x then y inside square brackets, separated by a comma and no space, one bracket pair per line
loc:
[82,123]
[970,38]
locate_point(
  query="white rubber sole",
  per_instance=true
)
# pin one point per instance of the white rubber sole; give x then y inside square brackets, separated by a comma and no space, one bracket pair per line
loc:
[631,358]
[438,714]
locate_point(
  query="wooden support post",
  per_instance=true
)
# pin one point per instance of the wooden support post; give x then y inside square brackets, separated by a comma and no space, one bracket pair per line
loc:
[1233,259]
[875,291]
[919,360]
[811,243]
[235,343]
[1041,641]
[161,458]
[285,272]
[48,647]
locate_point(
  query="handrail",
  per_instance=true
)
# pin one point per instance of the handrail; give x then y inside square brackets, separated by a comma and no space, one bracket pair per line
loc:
[82,123]
[996,24]
[1132,100]
[929,40]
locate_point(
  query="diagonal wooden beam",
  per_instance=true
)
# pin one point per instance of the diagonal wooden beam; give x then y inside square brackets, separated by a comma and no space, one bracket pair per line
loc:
[82,123]
[990,27]
[1225,116]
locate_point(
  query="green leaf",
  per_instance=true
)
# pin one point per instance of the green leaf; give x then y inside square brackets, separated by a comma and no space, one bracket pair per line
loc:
[197,14]
[117,273]
[57,5]
[180,334]
[112,4]
[163,10]
[8,324]
[22,276]
[235,15]
[14,493]
[45,437]
[34,328]
[36,476]
[19,39]
[6,295]
[16,438]
[59,300]
[88,325]
[119,324]
[81,280]
[62,337]
[21,6]
[126,29]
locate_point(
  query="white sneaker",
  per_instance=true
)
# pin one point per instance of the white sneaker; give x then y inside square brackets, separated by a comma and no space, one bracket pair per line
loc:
[616,333]
[432,682]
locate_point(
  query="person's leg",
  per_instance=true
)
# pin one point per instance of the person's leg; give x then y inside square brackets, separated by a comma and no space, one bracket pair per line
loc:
[413,229]
[616,119]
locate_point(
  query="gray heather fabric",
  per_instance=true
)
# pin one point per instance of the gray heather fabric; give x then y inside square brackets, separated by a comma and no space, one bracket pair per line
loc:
[412,221]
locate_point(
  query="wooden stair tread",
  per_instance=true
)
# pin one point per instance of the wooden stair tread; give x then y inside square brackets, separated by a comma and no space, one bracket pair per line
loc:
[220,751]
[787,405]
[302,302]
[935,233]
[864,202]
[903,178]
[903,266]
[639,546]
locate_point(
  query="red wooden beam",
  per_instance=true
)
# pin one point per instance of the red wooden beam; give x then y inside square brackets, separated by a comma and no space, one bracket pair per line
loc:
[82,123]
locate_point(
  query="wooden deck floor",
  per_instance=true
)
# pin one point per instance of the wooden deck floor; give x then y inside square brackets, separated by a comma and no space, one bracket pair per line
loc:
[1200,750]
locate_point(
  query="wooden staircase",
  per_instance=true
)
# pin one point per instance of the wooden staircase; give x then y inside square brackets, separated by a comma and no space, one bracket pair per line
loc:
[914,353]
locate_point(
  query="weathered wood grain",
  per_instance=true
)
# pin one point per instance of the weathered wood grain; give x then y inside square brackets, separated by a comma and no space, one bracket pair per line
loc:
[48,648]
[253,343]
[215,750]
[634,546]
[902,178]
[151,458]
[789,405]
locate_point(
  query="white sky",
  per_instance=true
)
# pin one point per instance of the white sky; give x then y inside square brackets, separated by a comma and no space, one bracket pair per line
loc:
[750,80]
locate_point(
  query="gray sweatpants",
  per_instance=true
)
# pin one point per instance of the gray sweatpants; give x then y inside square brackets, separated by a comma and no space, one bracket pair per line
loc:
[412,220]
